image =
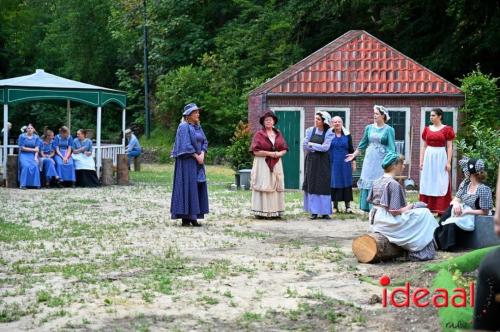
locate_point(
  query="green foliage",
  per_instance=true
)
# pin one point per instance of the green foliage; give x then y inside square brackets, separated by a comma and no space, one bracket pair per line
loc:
[466,263]
[479,136]
[238,153]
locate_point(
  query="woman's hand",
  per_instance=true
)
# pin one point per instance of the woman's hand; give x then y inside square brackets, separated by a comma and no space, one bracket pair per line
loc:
[457,209]
[351,156]
[88,153]
[448,167]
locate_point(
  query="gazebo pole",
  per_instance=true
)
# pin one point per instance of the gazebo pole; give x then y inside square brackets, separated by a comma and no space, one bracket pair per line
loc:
[68,114]
[5,138]
[98,142]
[124,119]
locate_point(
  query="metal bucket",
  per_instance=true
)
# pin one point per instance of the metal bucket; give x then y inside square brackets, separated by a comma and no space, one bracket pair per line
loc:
[409,184]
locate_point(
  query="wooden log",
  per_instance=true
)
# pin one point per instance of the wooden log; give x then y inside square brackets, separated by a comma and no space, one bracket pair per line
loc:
[137,164]
[107,172]
[12,171]
[374,247]
[122,169]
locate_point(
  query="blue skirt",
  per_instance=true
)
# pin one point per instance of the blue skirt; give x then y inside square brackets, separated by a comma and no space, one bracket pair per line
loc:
[29,172]
[65,171]
[189,197]
[49,168]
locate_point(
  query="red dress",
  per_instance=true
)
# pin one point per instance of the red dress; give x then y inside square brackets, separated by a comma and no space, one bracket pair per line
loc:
[435,184]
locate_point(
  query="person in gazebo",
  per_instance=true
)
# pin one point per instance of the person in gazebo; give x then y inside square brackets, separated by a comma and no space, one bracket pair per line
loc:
[64,162]
[133,149]
[47,163]
[29,171]
[86,175]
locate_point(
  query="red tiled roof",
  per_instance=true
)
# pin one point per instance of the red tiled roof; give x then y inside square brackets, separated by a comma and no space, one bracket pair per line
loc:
[358,63]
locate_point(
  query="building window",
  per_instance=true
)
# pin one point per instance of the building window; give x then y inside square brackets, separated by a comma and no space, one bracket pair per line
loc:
[400,121]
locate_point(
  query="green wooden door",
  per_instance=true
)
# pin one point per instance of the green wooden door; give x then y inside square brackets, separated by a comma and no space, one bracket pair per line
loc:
[289,125]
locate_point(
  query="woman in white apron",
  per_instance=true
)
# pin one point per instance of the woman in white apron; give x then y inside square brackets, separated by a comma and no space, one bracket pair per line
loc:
[435,163]
[472,198]
[410,226]
[86,175]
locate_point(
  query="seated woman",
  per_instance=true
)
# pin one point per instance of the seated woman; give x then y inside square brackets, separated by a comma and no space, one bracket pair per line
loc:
[472,198]
[410,226]
[47,152]
[29,172]
[64,163]
[86,175]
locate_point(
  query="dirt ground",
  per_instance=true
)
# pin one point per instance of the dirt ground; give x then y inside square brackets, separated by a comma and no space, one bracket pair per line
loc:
[120,264]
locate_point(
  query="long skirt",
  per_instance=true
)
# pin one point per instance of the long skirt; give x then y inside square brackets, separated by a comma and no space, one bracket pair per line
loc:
[66,171]
[371,171]
[268,188]
[29,171]
[449,237]
[189,197]
[435,186]
[413,230]
[316,184]
[48,168]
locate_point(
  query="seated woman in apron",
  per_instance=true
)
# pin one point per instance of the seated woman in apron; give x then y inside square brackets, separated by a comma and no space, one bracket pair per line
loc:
[316,184]
[29,171]
[472,198]
[86,175]
[410,226]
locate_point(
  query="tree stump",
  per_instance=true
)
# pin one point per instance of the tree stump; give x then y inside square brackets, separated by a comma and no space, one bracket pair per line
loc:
[122,169]
[107,172]
[12,171]
[374,247]
[137,164]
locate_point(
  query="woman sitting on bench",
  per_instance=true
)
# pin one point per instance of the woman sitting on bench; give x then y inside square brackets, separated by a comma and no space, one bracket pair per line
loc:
[472,198]
[409,226]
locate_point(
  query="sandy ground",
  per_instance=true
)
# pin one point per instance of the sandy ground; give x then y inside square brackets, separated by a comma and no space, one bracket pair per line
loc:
[120,264]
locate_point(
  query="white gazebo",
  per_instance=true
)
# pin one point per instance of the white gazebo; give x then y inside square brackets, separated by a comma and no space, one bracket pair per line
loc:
[42,86]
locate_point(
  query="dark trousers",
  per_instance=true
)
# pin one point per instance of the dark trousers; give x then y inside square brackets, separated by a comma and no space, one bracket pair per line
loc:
[487,306]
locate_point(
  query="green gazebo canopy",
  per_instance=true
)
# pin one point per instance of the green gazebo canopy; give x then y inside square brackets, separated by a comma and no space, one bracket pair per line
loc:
[45,86]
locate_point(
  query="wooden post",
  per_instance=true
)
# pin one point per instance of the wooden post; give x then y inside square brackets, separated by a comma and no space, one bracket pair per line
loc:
[137,164]
[122,169]
[5,139]
[12,165]
[107,172]
[374,247]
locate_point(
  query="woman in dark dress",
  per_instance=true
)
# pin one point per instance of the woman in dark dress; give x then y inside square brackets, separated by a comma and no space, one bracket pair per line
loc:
[86,175]
[316,186]
[189,193]
[472,198]
[341,170]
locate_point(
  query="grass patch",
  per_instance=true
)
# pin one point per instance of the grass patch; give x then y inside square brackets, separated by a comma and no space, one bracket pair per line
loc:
[246,234]
[11,232]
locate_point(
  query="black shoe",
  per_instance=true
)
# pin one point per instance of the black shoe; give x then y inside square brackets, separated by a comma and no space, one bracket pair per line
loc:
[73,185]
[325,217]
[313,216]
[185,223]
[195,223]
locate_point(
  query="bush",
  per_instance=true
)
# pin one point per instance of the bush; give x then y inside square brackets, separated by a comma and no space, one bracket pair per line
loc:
[216,155]
[238,153]
[479,135]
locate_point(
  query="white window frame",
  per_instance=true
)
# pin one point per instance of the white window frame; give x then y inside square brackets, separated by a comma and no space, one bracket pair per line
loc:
[407,111]
[347,111]
[426,109]
[302,135]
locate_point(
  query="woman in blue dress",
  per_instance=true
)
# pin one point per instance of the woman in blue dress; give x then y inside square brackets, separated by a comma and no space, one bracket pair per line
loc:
[316,186]
[47,152]
[189,193]
[378,139]
[64,162]
[29,171]
[86,175]
[341,170]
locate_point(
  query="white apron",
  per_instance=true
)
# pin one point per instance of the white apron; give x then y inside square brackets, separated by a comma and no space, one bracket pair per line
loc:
[434,179]
[83,161]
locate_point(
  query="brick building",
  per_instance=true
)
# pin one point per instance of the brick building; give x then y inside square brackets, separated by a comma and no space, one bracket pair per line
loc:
[346,78]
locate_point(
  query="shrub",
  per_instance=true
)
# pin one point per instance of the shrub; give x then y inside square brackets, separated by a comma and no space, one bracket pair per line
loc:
[238,153]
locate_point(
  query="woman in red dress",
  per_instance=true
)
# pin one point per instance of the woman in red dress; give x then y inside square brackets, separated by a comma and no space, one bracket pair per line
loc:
[435,163]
